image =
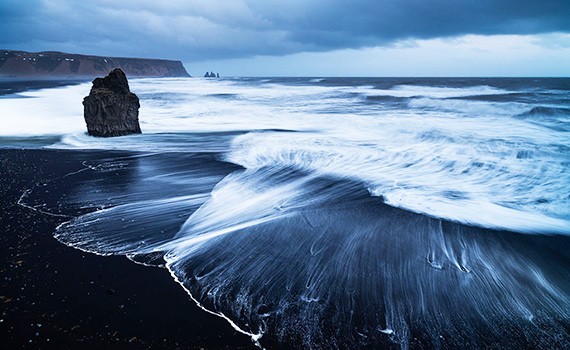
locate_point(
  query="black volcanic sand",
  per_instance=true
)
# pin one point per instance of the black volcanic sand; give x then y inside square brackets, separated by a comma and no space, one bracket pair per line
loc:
[13,86]
[56,297]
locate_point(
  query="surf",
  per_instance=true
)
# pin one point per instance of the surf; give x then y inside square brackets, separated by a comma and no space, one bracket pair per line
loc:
[312,212]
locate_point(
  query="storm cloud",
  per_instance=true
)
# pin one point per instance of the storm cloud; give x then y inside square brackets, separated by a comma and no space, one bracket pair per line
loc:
[215,29]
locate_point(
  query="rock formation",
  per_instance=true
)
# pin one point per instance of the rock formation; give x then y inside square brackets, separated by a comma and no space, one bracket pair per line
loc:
[61,65]
[111,109]
[211,75]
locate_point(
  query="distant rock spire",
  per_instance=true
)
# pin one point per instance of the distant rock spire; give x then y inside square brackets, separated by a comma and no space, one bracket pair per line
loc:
[211,75]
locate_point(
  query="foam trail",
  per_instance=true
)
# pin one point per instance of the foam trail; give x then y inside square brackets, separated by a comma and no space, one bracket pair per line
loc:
[306,253]
[153,221]
[499,188]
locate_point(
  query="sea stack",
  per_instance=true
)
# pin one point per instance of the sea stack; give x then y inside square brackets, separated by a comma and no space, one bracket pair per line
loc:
[111,109]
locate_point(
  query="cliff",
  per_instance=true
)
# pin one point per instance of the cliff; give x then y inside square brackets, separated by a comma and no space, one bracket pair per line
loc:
[59,65]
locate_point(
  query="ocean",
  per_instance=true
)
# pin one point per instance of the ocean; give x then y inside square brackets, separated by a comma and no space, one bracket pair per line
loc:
[330,212]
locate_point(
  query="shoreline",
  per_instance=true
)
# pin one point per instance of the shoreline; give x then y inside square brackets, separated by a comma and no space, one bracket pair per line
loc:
[53,296]
[14,86]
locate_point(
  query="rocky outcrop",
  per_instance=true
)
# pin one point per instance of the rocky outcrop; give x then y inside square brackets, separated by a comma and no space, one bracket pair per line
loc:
[60,65]
[111,109]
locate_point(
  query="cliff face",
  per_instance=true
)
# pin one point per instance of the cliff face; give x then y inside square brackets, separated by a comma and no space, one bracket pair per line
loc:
[59,65]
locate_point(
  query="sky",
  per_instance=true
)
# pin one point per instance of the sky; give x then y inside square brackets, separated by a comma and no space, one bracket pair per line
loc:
[305,37]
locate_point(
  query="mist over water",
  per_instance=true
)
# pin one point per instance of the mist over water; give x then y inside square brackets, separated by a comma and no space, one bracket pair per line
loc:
[334,213]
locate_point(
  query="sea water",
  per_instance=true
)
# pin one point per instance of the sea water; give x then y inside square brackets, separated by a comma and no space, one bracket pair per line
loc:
[334,212]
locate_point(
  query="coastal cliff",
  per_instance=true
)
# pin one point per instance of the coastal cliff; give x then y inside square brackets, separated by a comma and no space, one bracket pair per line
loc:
[60,65]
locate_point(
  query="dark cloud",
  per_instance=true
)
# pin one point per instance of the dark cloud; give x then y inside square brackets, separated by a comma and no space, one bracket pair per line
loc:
[365,22]
[210,29]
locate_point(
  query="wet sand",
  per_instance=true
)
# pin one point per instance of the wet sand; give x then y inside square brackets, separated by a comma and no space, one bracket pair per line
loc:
[56,297]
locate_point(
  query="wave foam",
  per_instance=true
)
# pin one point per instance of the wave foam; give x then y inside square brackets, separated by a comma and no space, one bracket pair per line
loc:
[485,183]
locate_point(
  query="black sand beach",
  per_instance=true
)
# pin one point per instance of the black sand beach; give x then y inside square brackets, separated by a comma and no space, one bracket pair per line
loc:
[56,297]
[13,86]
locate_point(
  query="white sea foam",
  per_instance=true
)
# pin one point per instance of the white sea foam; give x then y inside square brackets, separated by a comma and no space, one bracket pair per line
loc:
[441,92]
[469,161]
[445,173]
[44,112]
